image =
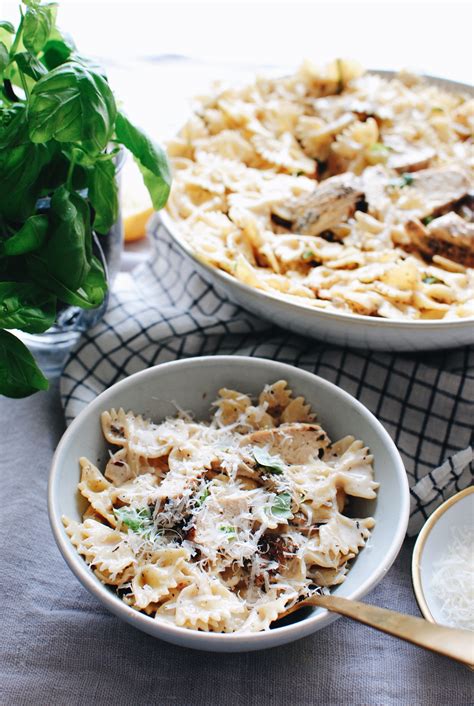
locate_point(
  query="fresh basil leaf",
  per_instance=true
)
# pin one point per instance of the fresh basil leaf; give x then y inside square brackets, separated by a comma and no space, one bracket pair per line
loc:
[89,296]
[37,25]
[72,104]
[21,163]
[93,290]
[68,249]
[7,26]
[151,159]
[19,373]
[4,57]
[31,236]
[90,64]
[57,50]
[273,464]
[281,507]
[137,520]
[26,306]
[103,196]
[30,65]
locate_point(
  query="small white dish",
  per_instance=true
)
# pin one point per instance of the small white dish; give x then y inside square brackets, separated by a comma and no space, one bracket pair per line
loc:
[192,384]
[431,546]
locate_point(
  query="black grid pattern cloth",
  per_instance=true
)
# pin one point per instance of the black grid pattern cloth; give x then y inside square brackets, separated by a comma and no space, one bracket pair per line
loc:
[168,311]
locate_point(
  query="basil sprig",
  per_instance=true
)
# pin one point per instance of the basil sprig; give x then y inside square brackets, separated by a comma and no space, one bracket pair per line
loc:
[138,520]
[272,464]
[60,130]
[281,507]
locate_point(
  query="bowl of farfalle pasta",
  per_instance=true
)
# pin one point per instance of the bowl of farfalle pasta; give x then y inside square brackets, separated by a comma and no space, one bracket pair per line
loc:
[201,499]
[336,202]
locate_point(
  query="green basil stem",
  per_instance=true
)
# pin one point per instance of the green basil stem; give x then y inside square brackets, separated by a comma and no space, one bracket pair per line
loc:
[70,171]
[23,83]
[16,41]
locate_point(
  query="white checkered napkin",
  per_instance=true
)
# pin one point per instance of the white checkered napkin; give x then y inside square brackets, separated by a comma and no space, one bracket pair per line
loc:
[168,311]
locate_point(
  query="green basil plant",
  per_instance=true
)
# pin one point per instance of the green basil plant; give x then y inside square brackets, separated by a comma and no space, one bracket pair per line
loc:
[60,132]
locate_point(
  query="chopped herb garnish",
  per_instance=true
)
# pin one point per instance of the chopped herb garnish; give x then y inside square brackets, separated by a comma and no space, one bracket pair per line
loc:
[426,221]
[406,179]
[307,255]
[137,520]
[229,531]
[431,279]
[378,147]
[273,464]
[204,495]
[282,506]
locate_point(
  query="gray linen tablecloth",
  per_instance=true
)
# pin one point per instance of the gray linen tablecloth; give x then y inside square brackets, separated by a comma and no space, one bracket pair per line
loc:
[59,646]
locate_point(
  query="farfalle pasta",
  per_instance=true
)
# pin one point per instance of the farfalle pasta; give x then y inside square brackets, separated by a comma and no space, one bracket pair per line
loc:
[326,187]
[222,525]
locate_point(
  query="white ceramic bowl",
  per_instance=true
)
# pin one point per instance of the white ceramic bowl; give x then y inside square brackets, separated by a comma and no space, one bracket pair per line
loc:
[193,385]
[334,327]
[432,544]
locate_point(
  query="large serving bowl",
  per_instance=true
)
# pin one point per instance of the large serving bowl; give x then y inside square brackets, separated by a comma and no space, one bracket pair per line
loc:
[192,384]
[330,326]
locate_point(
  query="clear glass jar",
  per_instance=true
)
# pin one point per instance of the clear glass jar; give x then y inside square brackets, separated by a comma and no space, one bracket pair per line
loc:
[52,347]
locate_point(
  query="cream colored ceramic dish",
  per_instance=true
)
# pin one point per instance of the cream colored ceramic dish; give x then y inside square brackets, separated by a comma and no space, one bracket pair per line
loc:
[332,326]
[432,544]
[192,384]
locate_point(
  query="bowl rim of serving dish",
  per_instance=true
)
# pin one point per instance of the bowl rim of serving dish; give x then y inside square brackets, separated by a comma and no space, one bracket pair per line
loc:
[173,228]
[420,545]
[213,640]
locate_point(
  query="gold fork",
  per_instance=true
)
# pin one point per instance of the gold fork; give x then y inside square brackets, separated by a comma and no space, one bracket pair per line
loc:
[451,642]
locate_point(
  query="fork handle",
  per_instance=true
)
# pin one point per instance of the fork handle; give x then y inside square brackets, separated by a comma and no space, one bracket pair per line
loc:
[451,642]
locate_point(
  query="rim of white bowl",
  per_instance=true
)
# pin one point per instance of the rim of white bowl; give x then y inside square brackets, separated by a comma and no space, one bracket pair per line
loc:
[178,634]
[172,227]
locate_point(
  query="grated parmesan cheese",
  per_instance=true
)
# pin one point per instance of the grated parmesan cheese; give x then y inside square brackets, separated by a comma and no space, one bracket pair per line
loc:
[453,580]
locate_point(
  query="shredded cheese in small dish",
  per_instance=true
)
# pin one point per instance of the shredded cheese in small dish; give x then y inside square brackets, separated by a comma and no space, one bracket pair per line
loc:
[453,579]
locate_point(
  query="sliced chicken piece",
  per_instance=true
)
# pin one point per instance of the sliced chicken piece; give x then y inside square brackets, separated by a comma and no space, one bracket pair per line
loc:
[440,187]
[332,202]
[293,444]
[411,159]
[449,236]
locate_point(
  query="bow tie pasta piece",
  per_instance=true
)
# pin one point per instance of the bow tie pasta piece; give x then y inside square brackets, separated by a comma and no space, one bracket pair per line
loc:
[166,569]
[294,444]
[139,492]
[209,605]
[104,549]
[262,616]
[96,489]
